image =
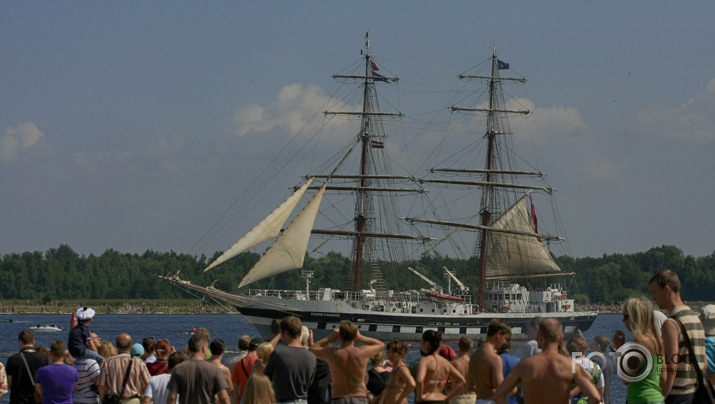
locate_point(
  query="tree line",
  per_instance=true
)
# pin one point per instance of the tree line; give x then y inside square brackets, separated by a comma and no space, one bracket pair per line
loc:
[61,273]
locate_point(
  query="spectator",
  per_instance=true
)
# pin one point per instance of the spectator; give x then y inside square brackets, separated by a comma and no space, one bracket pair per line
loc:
[157,388]
[259,391]
[21,382]
[217,348]
[707,316]
[291,367]
[112,379]
[86,390]
[56,382]
[548,371]
[161,365]
[680,379]
[243,369]
[149,346]
[434,371]
[80,342]
[196,381]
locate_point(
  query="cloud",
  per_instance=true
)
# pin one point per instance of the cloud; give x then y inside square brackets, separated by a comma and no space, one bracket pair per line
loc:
[545,123]
[692,120]
[296,105]
[15,140]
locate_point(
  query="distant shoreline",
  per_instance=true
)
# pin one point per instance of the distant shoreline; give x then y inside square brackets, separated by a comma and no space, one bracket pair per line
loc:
[112,306]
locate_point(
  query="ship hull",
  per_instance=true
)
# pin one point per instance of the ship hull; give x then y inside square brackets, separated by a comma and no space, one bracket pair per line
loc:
[405,326]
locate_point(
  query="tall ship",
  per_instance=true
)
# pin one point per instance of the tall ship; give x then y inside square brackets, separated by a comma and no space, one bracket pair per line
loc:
[402,218]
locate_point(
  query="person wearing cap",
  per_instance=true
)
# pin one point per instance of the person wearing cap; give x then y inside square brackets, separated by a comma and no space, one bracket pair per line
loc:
[160,366]
[137,351]
[80,343]
[707,317]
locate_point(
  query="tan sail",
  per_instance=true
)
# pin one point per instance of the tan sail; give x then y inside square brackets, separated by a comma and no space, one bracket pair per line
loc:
[267,229]
[509,253]
[288,252]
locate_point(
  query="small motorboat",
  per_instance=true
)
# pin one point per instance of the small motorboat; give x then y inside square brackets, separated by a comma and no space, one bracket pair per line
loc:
[46,328]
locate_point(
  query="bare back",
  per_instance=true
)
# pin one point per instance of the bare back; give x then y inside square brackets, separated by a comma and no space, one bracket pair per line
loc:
[486,371]
[462,366]
[348,372]
[549,372]
[398,386]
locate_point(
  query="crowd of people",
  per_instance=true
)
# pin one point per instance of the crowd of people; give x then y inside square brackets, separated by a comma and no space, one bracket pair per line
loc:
[350,368]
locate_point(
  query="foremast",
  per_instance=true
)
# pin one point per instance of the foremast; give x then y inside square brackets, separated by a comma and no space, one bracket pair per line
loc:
[369,181]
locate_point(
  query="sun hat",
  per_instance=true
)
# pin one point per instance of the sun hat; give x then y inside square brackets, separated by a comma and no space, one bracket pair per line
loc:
[85,314]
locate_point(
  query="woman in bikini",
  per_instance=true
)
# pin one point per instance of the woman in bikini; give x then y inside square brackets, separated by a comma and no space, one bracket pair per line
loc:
[400,383]
[434,372]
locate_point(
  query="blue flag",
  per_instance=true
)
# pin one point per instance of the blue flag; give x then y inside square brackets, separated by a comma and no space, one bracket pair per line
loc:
[502,65]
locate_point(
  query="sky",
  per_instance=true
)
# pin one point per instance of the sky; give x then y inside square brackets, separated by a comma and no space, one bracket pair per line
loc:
[134,125]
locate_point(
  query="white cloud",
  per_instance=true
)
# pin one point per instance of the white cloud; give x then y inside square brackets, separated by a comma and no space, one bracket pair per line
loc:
[16,139]
[295,106]
[545,123]
[692,120]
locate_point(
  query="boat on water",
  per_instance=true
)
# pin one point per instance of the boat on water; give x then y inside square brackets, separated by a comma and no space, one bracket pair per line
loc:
[46,328]
[482,204]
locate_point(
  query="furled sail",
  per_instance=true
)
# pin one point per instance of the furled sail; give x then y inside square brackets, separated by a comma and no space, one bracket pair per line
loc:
[510,253]
[288,251]
[267,229]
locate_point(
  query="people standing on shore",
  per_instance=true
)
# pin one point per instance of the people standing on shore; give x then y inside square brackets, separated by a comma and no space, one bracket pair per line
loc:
[434,371]
[577,346]
[680,376]
[601,345]
[486,368]
[80,342]
[291,367]
[466,395]
[56,381]
[548,371]
[509,362]
[707,316]
[157,389]
[377,375]
[149,346]
[86,390]
[22,368]
[3,381]
[161,364]
[638,318]
[400,383]
[113,371]
[348,363]
[196,381]
[217,349]
[243,369]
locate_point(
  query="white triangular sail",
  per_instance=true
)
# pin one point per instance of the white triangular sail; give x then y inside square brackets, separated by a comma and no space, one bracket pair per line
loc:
[288,251]
[267,229]
[509,253]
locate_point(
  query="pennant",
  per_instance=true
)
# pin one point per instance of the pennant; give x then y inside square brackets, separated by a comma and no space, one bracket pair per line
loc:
[374,66]
[377,144]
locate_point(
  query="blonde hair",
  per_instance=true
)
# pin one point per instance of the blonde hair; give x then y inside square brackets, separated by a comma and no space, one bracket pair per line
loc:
[378,359]
[640,315]
[259,390]
[106,349]
[264,351]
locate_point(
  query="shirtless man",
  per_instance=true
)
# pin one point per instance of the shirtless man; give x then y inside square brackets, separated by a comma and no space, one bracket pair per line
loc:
[466,394]
[347,363]
[486,370]
[547,377]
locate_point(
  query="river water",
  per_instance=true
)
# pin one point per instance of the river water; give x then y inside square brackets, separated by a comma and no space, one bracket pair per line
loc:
[227,327]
